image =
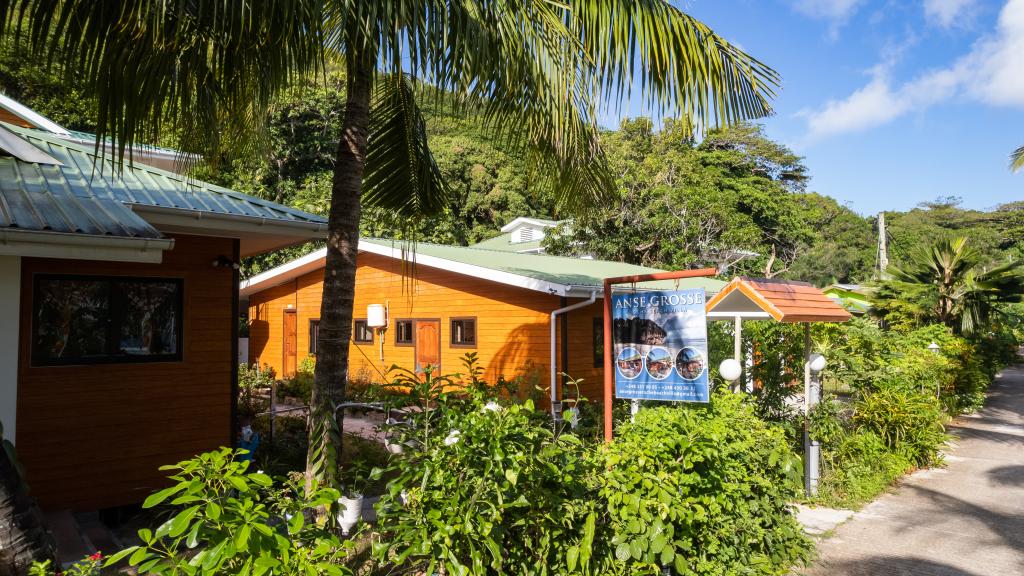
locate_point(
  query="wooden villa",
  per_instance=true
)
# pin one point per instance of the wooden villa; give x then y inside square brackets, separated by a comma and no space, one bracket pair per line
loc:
[118,313]
[442,302]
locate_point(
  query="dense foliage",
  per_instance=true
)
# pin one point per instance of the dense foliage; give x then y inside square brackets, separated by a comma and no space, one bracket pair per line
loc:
[485,487]
[704,490]
[224,519]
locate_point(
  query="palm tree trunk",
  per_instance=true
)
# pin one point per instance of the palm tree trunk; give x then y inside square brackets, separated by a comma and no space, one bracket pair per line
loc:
[331,374]
[23,535]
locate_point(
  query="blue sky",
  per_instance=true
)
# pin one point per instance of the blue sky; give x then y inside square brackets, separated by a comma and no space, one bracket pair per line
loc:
[891,102]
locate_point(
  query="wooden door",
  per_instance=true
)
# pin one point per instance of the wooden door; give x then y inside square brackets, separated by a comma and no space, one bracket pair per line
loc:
[290,344]
[428,344]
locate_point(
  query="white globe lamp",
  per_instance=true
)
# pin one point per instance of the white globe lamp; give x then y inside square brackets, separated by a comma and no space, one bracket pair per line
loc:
[817,362]
[730,369]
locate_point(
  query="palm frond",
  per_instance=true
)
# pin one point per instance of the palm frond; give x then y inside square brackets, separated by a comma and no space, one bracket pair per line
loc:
[682,66]
[205,70]
[400,173]
[1017,159]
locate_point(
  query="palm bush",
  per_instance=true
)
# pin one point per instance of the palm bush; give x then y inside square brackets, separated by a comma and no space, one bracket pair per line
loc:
[908,422]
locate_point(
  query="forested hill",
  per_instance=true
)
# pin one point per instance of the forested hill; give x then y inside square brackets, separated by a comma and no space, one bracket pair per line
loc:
[733,198]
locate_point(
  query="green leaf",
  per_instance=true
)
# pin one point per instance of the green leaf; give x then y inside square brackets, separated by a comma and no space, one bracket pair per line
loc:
[213,511]
[118,556]
[181,521]
[242,537]
[158,497]
[512,476]
[572,556]
[622,552]
[239,483]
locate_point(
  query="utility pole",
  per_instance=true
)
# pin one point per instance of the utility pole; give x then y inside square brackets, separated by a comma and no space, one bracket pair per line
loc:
[883,250]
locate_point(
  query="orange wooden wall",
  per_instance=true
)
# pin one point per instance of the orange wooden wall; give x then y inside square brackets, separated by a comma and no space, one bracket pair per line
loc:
[93,436]
[512,323]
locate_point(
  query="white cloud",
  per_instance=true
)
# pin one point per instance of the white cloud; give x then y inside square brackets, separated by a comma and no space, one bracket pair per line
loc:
[836,12]
[827,9]
[945,13]
[992,73]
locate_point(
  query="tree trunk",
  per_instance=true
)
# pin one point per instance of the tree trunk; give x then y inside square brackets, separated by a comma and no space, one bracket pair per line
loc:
[330,378]
[23,534]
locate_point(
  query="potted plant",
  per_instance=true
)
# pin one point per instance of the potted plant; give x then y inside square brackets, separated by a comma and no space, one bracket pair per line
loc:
[356,478]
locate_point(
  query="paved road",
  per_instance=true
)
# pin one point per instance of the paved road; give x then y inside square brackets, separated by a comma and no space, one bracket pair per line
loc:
[963,520]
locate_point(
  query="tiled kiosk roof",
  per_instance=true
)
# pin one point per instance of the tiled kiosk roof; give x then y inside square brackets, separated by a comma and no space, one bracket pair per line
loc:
[783,300]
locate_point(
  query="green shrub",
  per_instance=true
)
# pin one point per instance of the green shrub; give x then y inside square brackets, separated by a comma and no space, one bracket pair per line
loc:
[702,490]
[908,422]
[226,520]
[299,386]
[490,492]
[251,381]
[88,566]
[857,467]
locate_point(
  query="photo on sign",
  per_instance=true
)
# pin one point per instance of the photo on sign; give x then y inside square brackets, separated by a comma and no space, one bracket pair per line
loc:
[690,363]
[659,363]
[629,364]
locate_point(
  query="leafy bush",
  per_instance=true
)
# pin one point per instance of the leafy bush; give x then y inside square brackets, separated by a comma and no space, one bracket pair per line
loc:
[908,422]
[856,467]
[492,492]
[299,386]
[88,566]
[703,490]
[251,381]
[226,520]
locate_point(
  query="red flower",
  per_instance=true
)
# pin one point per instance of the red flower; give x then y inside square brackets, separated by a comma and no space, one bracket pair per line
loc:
[96,557]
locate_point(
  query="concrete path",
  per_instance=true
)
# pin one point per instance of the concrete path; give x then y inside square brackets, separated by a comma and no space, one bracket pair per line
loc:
[966,519]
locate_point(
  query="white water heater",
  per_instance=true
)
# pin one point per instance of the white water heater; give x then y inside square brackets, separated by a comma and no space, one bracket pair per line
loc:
[376,316]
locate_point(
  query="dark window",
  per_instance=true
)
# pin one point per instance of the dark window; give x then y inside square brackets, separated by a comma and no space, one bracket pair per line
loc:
[363,333]
[105,319]
[598,342]
[464,332]
[314,335]
[403,333]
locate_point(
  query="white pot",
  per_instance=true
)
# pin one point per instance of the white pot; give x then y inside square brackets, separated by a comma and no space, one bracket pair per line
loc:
[393,447]
[352,512]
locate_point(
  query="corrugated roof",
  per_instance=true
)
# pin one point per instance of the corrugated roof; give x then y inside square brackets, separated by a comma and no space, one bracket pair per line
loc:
[540,272]
[783,300]
[86,196]
[555,269]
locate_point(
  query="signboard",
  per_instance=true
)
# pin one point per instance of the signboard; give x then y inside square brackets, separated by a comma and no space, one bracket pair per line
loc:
[660,345]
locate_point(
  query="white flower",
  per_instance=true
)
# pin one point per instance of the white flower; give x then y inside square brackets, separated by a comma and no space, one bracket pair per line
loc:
[452,438]
[492,406]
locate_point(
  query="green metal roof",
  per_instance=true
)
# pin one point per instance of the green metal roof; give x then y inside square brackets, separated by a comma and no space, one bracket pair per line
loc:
[85,194]
[577,272]
[503,242]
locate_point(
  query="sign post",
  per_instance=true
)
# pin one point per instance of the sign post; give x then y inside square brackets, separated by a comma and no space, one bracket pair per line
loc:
[688,387]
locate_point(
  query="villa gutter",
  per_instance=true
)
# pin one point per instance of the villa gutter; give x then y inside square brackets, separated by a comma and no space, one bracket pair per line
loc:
[556,404]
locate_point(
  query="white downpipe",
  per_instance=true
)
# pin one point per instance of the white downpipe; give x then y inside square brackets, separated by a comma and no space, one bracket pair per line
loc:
[556,404]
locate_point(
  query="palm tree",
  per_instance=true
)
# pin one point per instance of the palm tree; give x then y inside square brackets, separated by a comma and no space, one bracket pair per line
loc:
[538,74]
[959,290]
[23,535]
[1017,159]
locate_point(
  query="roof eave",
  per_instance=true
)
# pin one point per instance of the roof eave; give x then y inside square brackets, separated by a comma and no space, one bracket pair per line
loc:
[44,244]
[265,234]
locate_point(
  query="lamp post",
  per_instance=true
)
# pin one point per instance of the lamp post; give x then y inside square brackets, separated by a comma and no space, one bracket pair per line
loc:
[730,371]
[934,349]
[812,449]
